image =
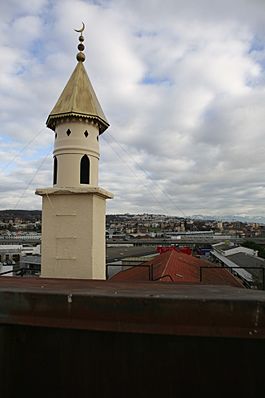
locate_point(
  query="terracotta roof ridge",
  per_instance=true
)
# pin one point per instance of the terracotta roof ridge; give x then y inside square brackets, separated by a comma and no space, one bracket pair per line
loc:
[171,254]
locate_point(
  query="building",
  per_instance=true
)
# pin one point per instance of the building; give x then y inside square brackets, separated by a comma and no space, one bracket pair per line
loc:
[253,264]
[178,267]
[242,261]
[73,210]
[9,255]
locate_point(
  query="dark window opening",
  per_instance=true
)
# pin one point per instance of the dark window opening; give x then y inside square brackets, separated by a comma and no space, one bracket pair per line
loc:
[54,170]
[68,132]
[55,135]
[86,134]
[84,170]
[97,137]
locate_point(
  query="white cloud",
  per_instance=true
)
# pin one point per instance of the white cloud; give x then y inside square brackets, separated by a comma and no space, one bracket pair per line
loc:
[182,86]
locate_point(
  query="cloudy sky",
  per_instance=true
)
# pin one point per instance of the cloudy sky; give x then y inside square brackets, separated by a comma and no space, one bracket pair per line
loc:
[182,83]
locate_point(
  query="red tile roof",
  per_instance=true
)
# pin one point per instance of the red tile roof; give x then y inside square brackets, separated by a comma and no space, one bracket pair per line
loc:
[179,268]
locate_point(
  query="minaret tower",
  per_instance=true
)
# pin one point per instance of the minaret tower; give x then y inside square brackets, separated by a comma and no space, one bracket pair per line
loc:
[73,211]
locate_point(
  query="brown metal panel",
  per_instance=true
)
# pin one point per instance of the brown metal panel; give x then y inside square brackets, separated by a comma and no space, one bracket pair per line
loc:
[157,308]
[48,362]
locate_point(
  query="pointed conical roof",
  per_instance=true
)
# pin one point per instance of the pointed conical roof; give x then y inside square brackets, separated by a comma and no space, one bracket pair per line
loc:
[78,99]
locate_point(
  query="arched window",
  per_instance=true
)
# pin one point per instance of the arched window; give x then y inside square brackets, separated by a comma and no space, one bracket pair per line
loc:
[54,170]
[84,170]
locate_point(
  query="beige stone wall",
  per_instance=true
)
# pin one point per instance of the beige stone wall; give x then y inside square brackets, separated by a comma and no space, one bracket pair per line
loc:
[73,234]
[69,150]
[73,214]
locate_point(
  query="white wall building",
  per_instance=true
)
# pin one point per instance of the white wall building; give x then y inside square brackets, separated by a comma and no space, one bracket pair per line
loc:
[9,255]
[229,249]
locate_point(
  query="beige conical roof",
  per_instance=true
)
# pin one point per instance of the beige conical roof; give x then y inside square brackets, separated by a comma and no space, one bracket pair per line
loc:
[78,99]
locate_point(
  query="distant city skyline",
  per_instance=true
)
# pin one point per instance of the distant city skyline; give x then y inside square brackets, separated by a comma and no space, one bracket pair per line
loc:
[183,87]
[195,217]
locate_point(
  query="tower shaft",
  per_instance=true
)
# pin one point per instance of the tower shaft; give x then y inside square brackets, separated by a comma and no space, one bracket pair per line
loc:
[73,210]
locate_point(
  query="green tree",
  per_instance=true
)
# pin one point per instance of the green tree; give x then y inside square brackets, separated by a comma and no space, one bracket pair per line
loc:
[255,246]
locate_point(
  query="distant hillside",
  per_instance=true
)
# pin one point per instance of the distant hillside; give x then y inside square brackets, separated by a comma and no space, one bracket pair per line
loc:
[231,218]
[36,214]
[24,214]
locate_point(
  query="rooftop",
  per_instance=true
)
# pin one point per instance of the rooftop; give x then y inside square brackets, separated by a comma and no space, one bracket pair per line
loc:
[179,268]
[255,265]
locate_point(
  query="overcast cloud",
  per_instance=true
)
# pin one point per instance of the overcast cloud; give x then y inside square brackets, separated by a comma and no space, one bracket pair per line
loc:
[182,84]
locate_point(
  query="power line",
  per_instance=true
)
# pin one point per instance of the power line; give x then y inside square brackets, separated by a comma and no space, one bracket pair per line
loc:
[148,175]
[32,179]
[133,172]
[22,149]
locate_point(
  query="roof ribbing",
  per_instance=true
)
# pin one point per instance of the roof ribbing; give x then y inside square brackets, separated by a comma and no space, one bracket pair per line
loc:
[176,267]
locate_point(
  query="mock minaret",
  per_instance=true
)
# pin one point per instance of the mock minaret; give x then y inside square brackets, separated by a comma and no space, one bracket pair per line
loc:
[73,211]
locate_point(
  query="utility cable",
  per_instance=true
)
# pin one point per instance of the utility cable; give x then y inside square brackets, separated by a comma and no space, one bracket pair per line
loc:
[137,176]
[133,172]
[148,175]
[22,149]
[33,177]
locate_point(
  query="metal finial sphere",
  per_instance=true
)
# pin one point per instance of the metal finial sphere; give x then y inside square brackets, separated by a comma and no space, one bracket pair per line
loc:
[80,57]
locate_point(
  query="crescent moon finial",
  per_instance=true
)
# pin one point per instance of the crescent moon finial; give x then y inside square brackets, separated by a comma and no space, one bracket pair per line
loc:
[80,30]
[81,56]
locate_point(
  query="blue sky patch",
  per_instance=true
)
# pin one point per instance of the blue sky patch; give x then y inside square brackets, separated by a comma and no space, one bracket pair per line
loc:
[151,80]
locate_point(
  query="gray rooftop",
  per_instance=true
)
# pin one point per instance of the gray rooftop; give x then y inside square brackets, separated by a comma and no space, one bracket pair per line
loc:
[247,261]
